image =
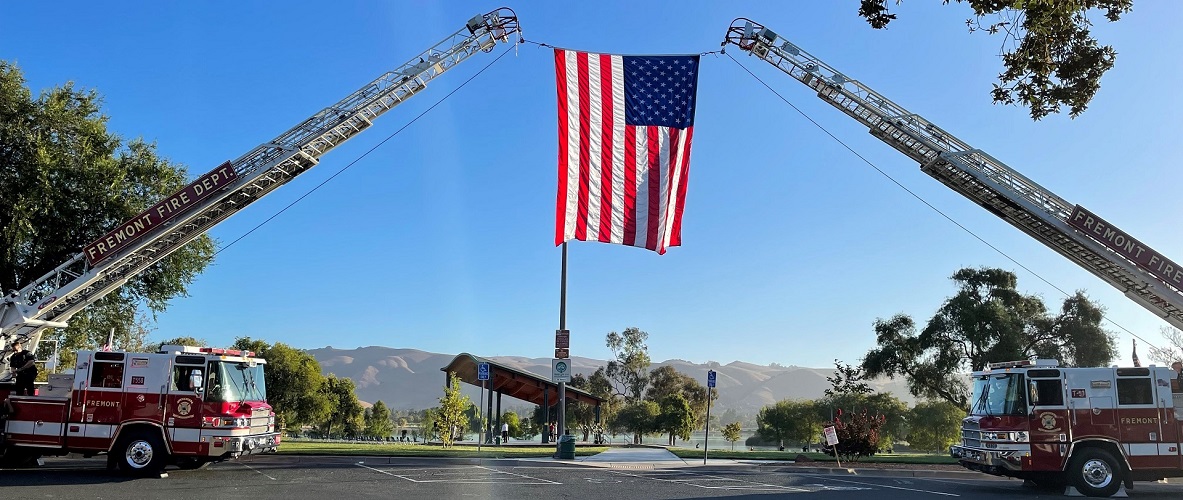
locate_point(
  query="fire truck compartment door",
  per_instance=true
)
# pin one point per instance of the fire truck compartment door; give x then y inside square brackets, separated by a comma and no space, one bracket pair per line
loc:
[1102,410]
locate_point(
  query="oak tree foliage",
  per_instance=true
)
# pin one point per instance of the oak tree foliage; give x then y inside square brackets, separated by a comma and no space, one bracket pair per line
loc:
[65,181]
[1049,56]
[988,320]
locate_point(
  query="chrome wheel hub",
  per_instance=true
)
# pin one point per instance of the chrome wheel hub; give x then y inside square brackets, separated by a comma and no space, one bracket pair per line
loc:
[139,454]
[1097,473]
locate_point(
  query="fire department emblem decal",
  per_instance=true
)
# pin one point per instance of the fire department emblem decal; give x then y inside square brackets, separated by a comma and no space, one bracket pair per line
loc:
[184,407]
[1047,419]
[140,398]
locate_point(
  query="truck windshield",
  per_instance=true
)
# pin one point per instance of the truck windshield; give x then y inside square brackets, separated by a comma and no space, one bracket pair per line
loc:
[235,381]
[1000,394]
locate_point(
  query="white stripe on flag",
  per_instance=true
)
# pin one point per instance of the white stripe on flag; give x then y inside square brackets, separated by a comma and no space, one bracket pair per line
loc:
[618,150]
[663,162]
[678,177]
[642,183]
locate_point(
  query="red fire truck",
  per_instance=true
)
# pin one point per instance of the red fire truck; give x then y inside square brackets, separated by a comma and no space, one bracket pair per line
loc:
[1091,428]
[183,405]
[1095,428]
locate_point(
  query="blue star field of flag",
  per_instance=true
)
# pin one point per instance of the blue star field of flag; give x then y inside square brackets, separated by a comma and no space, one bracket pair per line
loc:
[660,90]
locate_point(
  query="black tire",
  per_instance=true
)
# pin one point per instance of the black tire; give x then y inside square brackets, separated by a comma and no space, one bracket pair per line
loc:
[1095,473]
[140,453]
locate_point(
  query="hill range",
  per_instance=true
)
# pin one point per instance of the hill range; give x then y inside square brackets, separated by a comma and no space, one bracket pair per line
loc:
[411,379]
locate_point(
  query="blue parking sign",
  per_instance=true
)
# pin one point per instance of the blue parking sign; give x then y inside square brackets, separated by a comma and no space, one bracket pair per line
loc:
[710,378]
[482,371]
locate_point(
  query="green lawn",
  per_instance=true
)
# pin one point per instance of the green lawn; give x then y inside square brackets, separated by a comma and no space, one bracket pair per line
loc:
[899,458]
[290,447]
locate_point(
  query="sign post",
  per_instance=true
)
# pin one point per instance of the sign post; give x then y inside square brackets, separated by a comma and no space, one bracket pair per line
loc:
[706,442]
[482,374]
[832,441]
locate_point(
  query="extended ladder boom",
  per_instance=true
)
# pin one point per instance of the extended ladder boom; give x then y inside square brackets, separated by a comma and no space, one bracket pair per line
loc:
[1142,274]
[151,236]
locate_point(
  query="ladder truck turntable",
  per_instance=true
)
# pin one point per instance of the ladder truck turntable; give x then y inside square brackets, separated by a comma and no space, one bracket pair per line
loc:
[1102,438]
[184,405]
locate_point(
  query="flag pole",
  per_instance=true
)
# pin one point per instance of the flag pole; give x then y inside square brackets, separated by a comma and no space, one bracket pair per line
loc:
[563,326]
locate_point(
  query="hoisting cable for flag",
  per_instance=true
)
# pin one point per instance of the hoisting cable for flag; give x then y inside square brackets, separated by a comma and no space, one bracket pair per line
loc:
[917,196]
[549,46]
[367,153]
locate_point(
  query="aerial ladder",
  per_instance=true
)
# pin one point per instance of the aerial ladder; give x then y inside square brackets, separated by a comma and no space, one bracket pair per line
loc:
[135,245]
[1143,275]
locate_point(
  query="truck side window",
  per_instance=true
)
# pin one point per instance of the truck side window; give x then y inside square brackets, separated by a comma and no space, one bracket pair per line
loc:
[106,375]
[181,378]
[1135,391]
[1047,392]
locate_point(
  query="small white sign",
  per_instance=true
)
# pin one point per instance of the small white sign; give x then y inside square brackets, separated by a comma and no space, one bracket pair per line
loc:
[831,436]
[560,370]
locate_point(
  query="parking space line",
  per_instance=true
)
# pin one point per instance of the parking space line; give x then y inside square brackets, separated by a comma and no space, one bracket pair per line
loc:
[519,475]
[688,481]
[457,476]
[828,478]
[256,470]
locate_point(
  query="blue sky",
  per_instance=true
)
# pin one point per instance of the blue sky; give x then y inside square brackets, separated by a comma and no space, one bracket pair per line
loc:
[442,239]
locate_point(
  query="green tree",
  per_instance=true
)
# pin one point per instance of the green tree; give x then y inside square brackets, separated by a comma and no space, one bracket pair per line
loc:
[378,422]
[731,433]
[936,425]
[294,383]
[65,181]
[1173,351]
[788,420]
[987,320]
[600,386]
[345,410]
[629,368]
[451,416]
[429,424]
[637,418]
[184,340]
[847,379]
[666,381]
[1049,55]
[676,418]
[514,422]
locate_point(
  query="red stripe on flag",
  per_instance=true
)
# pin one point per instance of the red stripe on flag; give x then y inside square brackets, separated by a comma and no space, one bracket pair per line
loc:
[607,145]
[654,164]
[561,204]
[584,146]
[684,175]
[630,185]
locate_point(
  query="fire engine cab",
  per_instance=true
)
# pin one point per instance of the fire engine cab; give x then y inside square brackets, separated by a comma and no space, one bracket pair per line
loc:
[1094,429]
[183,405]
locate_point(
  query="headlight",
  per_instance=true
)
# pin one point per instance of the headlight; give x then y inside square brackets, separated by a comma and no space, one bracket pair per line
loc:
[1014,437]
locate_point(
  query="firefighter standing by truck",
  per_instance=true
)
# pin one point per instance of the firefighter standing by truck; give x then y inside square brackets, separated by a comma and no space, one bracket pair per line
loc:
[24,365]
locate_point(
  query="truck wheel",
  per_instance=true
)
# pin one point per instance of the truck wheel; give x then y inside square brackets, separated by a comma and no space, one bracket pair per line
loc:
[1095,473]
[140,453]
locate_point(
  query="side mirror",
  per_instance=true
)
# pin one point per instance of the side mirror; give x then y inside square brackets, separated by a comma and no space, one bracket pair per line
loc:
[196,379]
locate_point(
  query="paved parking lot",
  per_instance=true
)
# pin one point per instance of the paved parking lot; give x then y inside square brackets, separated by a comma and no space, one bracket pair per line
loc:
[332,478]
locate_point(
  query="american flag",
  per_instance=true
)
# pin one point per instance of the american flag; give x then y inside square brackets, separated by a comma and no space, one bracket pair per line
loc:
[625,124]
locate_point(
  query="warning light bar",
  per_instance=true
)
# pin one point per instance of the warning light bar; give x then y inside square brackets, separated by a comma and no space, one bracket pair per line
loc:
[226,352]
